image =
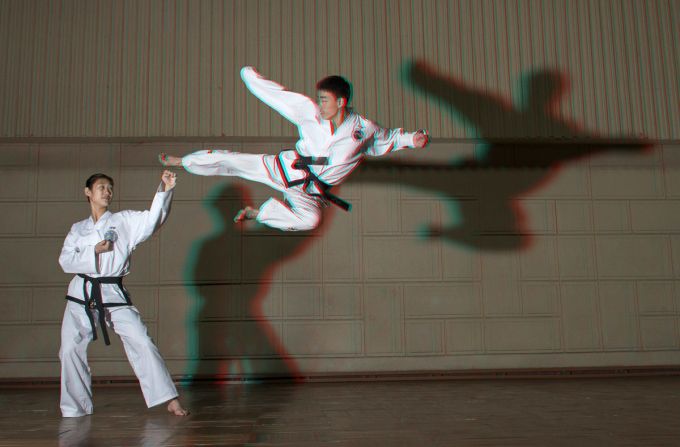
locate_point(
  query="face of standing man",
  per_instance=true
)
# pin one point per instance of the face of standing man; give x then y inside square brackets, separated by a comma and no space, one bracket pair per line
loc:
[100,194]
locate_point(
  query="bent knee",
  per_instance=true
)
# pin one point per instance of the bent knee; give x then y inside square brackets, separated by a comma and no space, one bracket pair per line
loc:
[307,222]
[70,345]
[68,349]
[141,343]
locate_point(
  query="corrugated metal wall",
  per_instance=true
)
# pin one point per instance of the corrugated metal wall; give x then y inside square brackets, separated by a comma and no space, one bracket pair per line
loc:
[104,68]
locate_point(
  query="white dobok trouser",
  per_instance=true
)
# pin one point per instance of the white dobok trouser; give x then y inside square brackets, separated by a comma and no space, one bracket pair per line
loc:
[146,361]
[304,212]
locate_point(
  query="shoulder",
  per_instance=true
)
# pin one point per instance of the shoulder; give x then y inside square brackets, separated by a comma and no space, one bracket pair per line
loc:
[361,122]
[81,228]
[356,127]
[81,225]
[125,215]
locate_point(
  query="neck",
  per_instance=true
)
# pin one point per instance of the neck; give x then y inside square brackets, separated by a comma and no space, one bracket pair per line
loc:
[97,212]
[339,118]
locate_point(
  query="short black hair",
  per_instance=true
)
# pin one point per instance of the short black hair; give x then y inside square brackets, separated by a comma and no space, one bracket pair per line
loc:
[337,85]
[94,177]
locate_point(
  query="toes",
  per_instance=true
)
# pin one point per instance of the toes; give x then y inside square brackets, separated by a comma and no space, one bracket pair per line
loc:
[251,213]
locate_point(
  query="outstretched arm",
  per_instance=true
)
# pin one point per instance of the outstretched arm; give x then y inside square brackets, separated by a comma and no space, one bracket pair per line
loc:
[142,224]
[292,106]
[390,140]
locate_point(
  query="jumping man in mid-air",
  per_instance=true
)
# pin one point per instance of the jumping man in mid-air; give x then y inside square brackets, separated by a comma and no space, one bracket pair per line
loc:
[333,141]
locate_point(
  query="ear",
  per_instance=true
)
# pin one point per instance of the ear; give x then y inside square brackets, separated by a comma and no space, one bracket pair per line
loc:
[342,102]
[87,192]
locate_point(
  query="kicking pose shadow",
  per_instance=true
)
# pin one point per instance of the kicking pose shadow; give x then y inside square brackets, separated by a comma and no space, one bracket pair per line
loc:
[523,149]
[230,323]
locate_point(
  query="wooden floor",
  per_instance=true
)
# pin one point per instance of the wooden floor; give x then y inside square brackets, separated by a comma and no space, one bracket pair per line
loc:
[568,412]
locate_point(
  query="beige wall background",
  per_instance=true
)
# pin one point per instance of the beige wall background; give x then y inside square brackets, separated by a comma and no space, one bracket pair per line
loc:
[565,263]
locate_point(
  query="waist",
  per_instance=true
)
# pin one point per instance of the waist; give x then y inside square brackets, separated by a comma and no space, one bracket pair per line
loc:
[112,288]
[101,279]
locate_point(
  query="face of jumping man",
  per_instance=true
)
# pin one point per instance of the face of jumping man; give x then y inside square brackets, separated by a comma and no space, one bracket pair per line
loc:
[101,193]
[329,106]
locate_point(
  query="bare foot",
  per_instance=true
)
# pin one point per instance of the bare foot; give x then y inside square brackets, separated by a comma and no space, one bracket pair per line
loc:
[176,408]
[169,160]
[247,213]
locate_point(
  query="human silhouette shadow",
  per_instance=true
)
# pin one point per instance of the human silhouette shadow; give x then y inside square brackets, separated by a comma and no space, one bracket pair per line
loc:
[227,323]
[523,149]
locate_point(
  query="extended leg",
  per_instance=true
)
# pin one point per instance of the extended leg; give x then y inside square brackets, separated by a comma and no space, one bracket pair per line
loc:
[251,167]
[301,213]
[146,361]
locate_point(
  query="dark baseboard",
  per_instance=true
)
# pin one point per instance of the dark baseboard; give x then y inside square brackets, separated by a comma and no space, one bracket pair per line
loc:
[377,376]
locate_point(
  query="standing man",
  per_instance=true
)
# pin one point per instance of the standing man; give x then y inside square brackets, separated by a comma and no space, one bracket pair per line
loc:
[98,251]
[333,141]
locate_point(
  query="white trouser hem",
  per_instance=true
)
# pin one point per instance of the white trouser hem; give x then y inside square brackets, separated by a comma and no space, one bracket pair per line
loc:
[162,400]
[68,414]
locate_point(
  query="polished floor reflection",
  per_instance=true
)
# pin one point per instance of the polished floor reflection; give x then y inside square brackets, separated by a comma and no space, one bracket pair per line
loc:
[569,412]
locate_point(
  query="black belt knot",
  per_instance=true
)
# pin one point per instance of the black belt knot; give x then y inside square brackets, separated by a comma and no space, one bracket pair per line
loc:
[303,163]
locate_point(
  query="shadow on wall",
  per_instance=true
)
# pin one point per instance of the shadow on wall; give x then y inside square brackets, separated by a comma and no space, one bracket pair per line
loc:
[228,323]
[523,148]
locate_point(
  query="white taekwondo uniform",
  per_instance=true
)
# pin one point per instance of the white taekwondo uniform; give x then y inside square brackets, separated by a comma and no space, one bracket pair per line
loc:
[78,326]
[331,156]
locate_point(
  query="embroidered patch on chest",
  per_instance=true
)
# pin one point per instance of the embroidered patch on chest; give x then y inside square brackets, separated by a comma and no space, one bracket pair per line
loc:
[111,235]
[358,134]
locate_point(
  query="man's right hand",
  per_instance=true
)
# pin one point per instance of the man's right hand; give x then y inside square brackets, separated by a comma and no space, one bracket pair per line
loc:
[103,247]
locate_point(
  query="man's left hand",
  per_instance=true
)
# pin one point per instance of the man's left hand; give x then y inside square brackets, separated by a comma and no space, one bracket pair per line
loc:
[420,139]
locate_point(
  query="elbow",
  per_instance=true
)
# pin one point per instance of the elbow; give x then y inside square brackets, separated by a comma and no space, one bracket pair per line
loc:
[68,263]
[65,266]
[63,261]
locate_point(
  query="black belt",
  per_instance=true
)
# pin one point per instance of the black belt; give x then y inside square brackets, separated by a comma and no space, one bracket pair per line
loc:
[303,163]
[324,189]
[94,301]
